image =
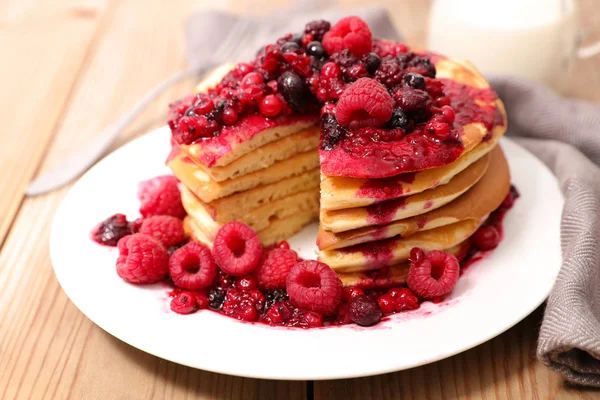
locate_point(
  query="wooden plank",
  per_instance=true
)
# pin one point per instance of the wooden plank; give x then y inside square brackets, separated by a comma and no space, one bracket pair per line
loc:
[44,46]
[503,368]
[48,349]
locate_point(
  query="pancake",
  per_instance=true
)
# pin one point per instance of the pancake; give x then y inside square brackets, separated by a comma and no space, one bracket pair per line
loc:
[339,192]
[236,205]
[376,154]
[404,207]
[383,253]
[257,218]
[277,231]
[263,157]
[208,190]
[247,135]
[391,276]
[483,198]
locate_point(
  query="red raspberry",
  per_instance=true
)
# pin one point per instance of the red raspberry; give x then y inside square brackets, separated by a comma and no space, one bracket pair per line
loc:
[284,245]
[192,267]
[314,286]
[142,259]
[487,238]
[237,248]
[350,33]
[184,303]
[168,230]
[364,310]
[160,196]
[274,267]
[404,299]
[364,103]
[433,274]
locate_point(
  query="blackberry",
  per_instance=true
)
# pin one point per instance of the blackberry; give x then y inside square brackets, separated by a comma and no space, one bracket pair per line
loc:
[317,28]
[399,120]
[371,62]
[423,66]
[315,49]
[332,132]
[275,296]
[216,297]
[344,58]
[294,90]
[414,80]
[112,229]
[389,72]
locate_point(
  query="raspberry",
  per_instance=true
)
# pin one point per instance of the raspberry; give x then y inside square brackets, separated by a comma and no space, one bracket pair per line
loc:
[283,245]
[317,28]
[314,286]
[350,33]
[160,196]
[166,229]
[192,267]
[432,274]
[184,303]
[404,299]
[274,267]
[487,238]
[364,103]
[142,259]
[111,230]
[364,310]
[390,72]
[237,248]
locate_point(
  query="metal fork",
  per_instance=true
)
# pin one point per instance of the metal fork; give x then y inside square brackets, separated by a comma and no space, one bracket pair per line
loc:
[230,49]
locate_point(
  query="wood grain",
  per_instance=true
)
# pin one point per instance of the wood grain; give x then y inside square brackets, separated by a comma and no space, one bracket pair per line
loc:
[74,67]
[43,47]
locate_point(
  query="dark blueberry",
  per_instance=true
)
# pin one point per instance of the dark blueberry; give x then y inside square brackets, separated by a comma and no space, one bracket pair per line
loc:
[414,80]
[294,90]
[315,49]
[372,61]
[216,297]
[289,47]
[399,120]
[217,112]
[421,115]
[190,112]
[112,229]
[404,59]
[316,63]
[317,28]
[296,38]
[423,65]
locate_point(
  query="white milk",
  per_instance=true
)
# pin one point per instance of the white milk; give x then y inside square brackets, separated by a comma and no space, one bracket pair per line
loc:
[533,38]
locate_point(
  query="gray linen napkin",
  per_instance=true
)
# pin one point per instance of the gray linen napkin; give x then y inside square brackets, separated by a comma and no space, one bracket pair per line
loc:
[564,134]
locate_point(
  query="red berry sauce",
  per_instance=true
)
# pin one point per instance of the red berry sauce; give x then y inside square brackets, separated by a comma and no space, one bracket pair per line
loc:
[385,188]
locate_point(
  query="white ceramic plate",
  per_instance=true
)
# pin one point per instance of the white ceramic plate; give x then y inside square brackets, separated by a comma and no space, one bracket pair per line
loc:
[493,295]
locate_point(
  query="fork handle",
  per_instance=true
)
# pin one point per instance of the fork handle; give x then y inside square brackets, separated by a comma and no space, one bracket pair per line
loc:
[79,162]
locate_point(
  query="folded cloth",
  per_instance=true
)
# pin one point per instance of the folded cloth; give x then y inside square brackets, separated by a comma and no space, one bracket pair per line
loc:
[565,135]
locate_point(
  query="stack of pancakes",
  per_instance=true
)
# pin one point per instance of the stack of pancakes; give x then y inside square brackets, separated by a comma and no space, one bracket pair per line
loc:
[262,173]
[368,224]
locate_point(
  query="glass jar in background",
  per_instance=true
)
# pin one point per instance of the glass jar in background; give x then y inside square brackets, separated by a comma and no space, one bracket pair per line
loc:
[537,39]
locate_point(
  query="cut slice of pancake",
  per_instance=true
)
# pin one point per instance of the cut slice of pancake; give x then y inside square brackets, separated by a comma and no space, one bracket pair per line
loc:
[236,205]
[483,198]
[477,109]
[339,192]
[248,134]
[404,207]
[391,276]
[208,190]
[277,231]
[258,218]
[383,253]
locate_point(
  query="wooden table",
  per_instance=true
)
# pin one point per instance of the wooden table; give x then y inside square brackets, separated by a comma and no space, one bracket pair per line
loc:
[68,69]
